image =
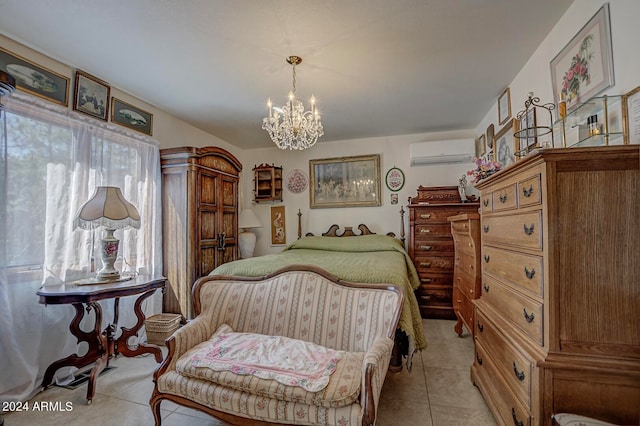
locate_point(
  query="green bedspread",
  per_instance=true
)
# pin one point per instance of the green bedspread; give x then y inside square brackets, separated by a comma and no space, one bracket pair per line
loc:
[367,258]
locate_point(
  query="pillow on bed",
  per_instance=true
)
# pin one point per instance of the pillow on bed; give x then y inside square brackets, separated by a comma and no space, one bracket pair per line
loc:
[361,243]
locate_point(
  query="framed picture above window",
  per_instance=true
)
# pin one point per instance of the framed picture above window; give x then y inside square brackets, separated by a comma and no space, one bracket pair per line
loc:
[129,116]
[91,96]
[35,79]
[345,182]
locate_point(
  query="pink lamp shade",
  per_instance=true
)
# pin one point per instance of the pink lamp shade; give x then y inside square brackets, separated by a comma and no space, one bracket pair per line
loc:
[107,207]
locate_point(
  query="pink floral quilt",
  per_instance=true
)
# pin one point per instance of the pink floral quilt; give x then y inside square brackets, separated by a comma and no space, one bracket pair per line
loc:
[288,361]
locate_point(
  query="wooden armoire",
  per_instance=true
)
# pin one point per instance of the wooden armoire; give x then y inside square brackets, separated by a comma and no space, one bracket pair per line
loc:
[199,218]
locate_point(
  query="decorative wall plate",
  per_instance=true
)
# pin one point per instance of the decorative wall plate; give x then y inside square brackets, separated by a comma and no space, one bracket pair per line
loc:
[394,179]
[297,181]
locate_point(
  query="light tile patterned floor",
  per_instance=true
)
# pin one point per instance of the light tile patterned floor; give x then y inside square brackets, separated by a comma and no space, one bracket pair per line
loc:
[437,392]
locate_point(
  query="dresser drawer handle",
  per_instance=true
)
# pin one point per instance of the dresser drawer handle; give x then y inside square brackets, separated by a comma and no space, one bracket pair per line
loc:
[485,203]
[425,264]
[503,198]
[527,192]
[426,248]
[516,422]
[479,359]
[519,374]
[486,258]
[529,273]
[425,231]
[527,230]
[425,216]
[427,298]
[486,288]
[485,228]
[480,327]
[426,280]
[527,316]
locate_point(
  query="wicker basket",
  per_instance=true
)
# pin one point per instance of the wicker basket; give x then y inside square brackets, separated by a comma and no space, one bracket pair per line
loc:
[161,326]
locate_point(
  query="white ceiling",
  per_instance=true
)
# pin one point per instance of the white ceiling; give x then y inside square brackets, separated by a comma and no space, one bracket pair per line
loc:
[376,67]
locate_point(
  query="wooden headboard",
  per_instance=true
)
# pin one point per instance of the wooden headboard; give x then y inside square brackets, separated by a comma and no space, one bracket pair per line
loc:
[333,230]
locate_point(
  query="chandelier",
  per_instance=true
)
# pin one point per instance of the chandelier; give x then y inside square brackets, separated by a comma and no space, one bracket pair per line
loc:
[291,127]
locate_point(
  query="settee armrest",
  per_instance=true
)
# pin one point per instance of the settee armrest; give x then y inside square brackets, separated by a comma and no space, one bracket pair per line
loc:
[185,338]
[374,369]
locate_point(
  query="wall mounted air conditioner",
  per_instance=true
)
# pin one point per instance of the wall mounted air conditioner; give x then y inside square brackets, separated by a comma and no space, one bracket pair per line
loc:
[442,152]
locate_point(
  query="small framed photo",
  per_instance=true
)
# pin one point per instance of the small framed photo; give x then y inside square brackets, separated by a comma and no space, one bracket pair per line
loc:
[504,152]
[129,116]
[394,179]
[526,133]
[91,96]
[35,79]
[278,226]
[489,141]
[481,145]
[504,106]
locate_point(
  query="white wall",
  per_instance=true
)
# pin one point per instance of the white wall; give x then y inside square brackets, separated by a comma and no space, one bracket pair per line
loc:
[394,151]
[535,76]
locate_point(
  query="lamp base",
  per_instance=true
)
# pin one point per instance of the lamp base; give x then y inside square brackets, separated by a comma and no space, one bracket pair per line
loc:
[247,244]
[108,253]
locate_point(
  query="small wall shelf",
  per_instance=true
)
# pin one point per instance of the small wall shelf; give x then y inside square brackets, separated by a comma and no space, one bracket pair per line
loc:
[267,183]
[596,122]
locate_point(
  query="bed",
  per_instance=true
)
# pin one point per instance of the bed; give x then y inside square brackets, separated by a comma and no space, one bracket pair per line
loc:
[368,258]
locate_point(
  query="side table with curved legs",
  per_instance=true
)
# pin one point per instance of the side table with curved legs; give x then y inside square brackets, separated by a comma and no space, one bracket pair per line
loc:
[103,344]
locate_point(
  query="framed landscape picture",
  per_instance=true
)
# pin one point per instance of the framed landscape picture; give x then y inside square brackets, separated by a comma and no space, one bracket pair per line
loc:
[91,96]
[35,79]
[129,116]
[504,106]
[345,182]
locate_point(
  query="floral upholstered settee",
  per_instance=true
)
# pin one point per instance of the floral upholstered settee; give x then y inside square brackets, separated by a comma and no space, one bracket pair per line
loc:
[298,346]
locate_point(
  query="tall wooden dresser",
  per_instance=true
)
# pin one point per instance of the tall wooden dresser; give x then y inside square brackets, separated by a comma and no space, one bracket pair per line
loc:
[557,326]
[465,229]
[431,246]
[199,218]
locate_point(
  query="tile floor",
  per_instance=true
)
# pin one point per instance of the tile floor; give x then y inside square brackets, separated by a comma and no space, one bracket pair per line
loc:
[438,392]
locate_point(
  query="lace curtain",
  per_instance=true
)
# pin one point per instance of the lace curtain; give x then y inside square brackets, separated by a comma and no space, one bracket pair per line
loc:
[52,159]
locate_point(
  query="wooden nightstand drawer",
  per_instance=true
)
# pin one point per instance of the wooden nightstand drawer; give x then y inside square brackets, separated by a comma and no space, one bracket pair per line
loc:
[466,263]
[485,374]
[513,365]
[529,193]
[504,198]
[522,270]
[430,247]
[424,215]
[522,230]
[517,309]
[426,264]
[464,244]
[432,230]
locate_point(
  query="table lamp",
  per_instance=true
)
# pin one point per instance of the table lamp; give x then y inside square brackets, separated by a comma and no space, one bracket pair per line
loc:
[107,207]
[247,239]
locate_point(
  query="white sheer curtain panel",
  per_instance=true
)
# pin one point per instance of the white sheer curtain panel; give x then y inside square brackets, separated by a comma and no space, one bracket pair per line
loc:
[52,160]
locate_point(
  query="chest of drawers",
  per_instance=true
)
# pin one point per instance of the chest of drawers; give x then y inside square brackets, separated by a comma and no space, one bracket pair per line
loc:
[465,229]
[431,247]
[556,326]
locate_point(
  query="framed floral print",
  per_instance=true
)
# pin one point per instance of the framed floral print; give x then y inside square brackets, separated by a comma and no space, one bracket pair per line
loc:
[394,179]
[584,67]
